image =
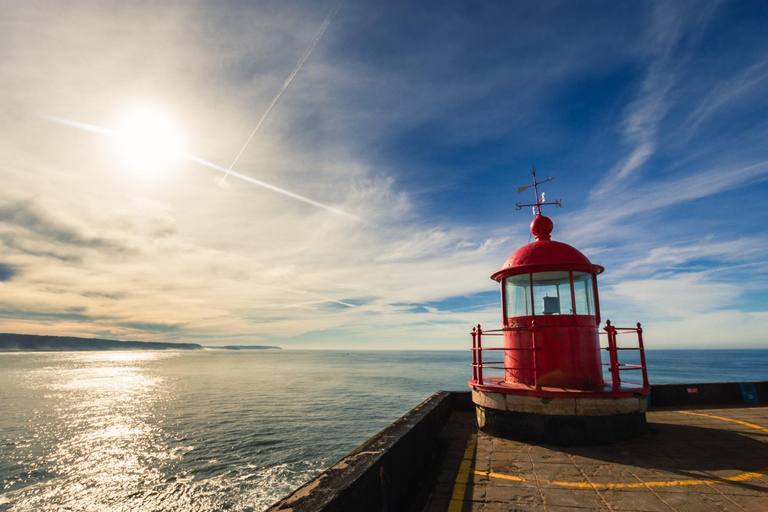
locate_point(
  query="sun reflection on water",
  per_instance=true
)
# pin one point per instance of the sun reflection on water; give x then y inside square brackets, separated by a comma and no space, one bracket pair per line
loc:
[164,431]
[107,443]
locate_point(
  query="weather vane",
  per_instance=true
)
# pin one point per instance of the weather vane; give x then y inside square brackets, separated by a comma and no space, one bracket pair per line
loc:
[539,200]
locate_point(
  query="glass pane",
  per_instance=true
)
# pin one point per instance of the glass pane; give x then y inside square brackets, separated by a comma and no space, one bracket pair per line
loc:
[552,293]
[517,290]
[585,295]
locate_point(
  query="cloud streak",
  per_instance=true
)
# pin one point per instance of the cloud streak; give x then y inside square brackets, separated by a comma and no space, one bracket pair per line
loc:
[728,92]
[667,56]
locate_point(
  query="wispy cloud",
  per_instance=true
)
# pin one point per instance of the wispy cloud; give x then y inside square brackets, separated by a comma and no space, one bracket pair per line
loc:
[23,215]
[727,92]
[675,296]
[666,49]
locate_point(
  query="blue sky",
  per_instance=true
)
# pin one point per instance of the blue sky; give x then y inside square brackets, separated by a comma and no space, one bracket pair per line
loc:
[418,119]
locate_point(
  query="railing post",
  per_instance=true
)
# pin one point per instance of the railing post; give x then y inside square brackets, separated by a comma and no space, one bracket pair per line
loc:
[646,384]
[614,368]
[533,358]
[479,355]
[474,354]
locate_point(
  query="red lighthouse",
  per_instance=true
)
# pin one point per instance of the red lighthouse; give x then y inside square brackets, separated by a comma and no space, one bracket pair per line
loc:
[550,386]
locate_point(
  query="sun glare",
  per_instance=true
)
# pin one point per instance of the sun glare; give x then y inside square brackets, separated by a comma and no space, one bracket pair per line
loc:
[149,142]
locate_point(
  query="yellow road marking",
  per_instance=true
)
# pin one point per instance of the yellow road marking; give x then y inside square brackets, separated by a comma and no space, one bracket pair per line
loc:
[460,485]
[746,424]
[636,485]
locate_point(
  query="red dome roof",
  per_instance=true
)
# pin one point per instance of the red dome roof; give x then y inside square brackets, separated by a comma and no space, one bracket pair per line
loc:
[545,255]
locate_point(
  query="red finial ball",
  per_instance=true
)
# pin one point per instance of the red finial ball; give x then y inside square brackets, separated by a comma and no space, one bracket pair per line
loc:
[541,227]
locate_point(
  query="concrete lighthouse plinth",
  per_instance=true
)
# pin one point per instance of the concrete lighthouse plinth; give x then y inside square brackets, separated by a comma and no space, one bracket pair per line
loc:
[561,421]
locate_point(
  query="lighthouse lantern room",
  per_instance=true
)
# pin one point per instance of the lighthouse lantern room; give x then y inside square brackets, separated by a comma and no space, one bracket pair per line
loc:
[551,387]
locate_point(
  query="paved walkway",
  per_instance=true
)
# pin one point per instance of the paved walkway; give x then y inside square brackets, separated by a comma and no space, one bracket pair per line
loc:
[691,460]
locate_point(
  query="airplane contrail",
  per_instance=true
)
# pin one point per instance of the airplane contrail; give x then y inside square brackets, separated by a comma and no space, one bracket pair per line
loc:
[211,165]
[301,62]
[78,125]
[260,183]
[313,294]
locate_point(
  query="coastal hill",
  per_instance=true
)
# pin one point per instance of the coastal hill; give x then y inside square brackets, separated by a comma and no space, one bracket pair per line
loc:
[30,342]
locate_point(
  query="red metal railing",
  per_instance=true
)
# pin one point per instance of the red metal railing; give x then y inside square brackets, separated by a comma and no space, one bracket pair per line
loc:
[477,355]
[614,366]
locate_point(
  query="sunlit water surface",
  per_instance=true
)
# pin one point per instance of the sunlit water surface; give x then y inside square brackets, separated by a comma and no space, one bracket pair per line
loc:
[215,430]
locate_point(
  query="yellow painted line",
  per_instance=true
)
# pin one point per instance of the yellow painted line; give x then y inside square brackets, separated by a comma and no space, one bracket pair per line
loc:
[638,485]
[460,485]
[635,485]
[746,424]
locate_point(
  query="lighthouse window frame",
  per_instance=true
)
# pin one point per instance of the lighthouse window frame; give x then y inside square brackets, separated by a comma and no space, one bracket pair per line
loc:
[584,294]
[552,293]
[517,294]
[576,294]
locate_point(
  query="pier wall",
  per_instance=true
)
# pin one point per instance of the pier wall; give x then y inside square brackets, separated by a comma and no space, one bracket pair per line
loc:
[719,393]
[380,474]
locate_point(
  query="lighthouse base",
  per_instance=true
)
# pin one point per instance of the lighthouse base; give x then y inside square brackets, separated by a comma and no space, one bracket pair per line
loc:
[560,421]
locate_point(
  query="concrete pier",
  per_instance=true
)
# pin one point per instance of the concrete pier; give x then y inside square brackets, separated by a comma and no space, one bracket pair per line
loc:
[706,449]
[692,459]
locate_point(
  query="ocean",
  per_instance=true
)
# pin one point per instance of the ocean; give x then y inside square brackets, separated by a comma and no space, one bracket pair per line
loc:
[226,430]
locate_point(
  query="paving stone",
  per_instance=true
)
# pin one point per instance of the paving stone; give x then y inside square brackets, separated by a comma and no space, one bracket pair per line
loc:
[579,460]
[475,492]
[695,502]
[510,467]
[750,504]
[513,493]
[473,507]
[513,507]
[747,488]
[482,465]
[627,475]
[551,457]
[508,455]
[556,508]
[558,472]
[634,500]
[576,498]
[607,473]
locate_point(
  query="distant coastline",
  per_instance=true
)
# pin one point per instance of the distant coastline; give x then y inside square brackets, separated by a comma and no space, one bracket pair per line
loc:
[33,343]
[248,347]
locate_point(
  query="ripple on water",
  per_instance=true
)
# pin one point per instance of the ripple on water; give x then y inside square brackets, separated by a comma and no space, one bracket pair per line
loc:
[144,430]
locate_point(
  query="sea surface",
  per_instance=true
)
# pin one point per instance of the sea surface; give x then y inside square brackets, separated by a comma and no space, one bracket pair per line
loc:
[226,430]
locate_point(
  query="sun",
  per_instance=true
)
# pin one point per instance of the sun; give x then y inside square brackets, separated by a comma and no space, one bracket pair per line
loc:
[149,141]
